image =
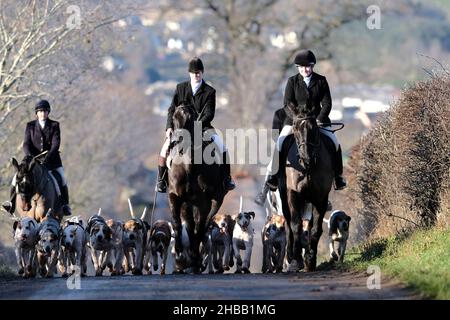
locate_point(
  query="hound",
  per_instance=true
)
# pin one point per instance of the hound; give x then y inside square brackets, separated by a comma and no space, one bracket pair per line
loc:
[25,239]
[73,247]
[100,242]
[48,246]
[159,241]
[134,242]
[338,226]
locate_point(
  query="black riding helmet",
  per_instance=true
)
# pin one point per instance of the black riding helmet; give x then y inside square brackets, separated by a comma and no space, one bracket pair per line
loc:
[42,105]
[305,58]
[196,65]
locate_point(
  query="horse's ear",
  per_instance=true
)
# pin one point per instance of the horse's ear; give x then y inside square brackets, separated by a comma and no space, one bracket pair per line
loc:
[31,165]
[294,109]
[15,163]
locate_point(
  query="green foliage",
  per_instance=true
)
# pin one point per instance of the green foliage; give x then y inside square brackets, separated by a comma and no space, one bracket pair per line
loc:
[421,260]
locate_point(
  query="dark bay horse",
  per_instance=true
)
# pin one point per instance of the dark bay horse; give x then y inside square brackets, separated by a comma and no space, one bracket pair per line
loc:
[195,190]
[308,179]
[36,192]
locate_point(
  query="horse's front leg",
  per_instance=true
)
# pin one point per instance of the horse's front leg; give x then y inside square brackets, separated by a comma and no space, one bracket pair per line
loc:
[215,206]
[316,233]
[296,207]
[175,208]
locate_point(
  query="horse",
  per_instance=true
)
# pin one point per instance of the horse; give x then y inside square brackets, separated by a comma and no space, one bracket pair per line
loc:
[36,192]
[308,180]
[195,193]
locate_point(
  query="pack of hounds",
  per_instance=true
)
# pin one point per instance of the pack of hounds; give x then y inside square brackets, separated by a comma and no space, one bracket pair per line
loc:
[136,246]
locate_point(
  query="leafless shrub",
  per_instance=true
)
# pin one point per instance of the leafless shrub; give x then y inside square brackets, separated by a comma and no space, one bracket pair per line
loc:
[404,168]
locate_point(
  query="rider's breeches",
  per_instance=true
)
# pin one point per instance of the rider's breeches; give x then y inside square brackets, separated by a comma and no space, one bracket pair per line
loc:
[215,137]
[60,171]
[273,166]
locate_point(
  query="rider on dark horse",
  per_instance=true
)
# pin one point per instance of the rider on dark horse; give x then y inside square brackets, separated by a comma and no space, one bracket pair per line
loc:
[43,134]
[202,97]
[310,89]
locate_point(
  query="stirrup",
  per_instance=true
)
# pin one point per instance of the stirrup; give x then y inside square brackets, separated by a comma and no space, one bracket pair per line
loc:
[161,186]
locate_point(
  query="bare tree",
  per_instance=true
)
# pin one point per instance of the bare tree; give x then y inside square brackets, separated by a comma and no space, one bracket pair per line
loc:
[262,37]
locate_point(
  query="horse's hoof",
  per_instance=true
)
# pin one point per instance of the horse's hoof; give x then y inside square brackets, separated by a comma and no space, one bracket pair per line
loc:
[279,270]
[137,272]
[178,272]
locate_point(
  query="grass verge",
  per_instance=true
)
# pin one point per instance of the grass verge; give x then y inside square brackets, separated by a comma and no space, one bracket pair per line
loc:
[420,260]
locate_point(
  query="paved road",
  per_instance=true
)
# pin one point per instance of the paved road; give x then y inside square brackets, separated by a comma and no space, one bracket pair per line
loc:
[317,285]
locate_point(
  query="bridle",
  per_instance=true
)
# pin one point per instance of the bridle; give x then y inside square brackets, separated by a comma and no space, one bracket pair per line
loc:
[315,145]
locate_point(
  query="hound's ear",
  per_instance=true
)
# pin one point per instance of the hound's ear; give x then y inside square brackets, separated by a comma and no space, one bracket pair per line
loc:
[15,224]
[252,214]
[349,218]
[15,163]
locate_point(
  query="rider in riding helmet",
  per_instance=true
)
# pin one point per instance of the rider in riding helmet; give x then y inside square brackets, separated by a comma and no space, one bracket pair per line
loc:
[309,89]
[202,97]
[43,134]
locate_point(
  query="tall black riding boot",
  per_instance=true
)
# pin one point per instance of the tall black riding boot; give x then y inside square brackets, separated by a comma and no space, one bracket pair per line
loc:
[228,182]
[339,181]
[65,201]
[162,179]
[10,205]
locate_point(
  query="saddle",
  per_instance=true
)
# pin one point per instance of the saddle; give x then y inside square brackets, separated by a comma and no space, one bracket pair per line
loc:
[173,143]
[291,160]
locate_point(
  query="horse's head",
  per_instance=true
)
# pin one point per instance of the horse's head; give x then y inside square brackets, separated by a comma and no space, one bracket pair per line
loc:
[184,117]
[307,135]
[25,181]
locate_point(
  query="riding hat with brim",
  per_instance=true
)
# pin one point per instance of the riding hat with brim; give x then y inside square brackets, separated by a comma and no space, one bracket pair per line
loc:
[305,58]
[196,65]
[42,105]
